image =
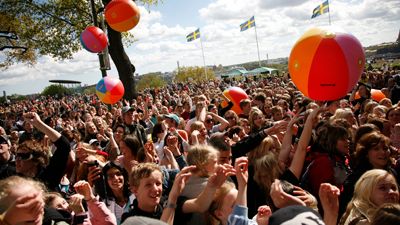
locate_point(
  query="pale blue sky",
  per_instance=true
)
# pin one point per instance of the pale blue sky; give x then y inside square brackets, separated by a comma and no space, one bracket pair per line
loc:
[162,30]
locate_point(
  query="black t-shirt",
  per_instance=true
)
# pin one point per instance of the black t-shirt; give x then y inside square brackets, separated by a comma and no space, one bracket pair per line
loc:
[135,211]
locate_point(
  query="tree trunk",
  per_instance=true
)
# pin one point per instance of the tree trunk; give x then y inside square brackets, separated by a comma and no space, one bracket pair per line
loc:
[121,60]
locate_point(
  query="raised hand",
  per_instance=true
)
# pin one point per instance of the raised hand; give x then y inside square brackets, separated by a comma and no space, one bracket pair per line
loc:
[221,173]
[180,181]
[241,169]
[264,212]
[306,197]
[83,187]
[282,199]
[25,209]
[94,173]
[75,203]
[329,197]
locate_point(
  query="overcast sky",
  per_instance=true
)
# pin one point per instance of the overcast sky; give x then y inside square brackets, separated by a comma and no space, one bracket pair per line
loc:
[161,36]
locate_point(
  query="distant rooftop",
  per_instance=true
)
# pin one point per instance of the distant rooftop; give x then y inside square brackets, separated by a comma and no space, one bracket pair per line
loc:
[65,81]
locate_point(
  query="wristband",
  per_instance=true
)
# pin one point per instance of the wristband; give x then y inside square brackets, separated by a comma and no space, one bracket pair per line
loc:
[170,205]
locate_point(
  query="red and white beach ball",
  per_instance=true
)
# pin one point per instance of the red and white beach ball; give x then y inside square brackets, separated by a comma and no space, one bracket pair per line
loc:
[325,64]
[94,39]
[122,15]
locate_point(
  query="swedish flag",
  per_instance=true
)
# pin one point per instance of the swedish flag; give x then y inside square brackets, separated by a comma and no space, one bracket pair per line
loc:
[193,36]
[321,9]
[249,23]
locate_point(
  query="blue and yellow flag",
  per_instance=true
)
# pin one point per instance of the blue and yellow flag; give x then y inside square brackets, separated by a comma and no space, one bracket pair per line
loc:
[249,23]
[193,36]
[321,9]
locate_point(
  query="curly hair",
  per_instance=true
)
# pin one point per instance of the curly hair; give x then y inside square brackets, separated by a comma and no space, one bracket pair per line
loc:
[40,152]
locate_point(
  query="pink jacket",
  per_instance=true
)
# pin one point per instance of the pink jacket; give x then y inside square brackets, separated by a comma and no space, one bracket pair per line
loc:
[99,214]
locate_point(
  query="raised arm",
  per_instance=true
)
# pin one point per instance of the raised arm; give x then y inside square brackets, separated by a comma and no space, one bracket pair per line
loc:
[297,164]
[98,211]
[287,141]
[223,122]
[242,175]
[35,120]
[168,213]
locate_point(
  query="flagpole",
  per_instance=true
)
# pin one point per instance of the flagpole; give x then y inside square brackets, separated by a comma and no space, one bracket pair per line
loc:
[329,13]
[258,49]
[204,61]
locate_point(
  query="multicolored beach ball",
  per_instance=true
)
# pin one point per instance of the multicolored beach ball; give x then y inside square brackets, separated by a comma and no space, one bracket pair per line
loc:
[110,90]
[94,39]
[122,15]
[325,64]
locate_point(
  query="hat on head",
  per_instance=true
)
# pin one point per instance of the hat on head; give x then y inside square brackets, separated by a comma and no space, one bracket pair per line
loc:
[4,139]
[140,220]
[126,109]
[93,141]
[173,117]
[295,215]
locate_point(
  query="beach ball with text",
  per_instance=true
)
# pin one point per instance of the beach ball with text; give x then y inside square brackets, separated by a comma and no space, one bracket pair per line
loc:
[122,15]
[94,39]
[110,90]
[325,64]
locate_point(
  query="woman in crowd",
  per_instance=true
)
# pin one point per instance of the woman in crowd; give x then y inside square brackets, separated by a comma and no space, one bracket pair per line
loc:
[118,196]
[90,132]
[256,119]
[374,188]
[372,152]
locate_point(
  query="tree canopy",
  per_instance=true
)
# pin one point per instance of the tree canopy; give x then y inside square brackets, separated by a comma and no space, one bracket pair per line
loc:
[56,90]
[151,80]
[193,73]
[34,28]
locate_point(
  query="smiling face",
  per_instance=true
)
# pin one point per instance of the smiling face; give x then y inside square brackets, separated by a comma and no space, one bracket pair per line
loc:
[115,180]
[148,192]
[385,191]
[378,155]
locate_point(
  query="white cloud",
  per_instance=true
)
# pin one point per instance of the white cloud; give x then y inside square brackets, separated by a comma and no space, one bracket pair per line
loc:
[161,44]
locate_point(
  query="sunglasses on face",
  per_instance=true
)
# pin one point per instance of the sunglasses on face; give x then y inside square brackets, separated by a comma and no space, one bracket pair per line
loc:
[209,120]
[23,156]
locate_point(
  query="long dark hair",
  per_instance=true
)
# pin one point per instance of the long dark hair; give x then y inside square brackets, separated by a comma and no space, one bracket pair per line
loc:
[327,137]
[109,193]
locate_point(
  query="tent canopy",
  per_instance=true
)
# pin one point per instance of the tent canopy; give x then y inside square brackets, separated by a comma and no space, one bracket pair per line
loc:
[235,72]
[262,70]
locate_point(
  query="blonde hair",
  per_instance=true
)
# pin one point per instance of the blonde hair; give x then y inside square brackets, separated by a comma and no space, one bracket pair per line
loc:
[361,200]
[266,170]
[199,155]
[196,125]
[142,170]
[254,112]
[217,202]
[341,114]
[12,183]
[262,149]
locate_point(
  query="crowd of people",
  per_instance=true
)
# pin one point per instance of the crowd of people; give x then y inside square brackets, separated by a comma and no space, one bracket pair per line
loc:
[181,155]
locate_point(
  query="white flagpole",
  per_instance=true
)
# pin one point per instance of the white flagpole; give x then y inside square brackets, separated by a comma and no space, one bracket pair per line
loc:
[204,61]
[329,12]
[258,49]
